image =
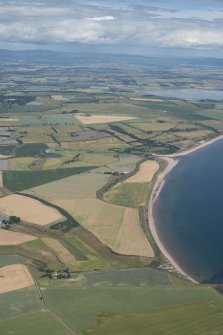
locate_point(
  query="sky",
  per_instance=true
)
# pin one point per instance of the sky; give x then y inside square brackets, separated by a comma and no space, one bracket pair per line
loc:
[128,26]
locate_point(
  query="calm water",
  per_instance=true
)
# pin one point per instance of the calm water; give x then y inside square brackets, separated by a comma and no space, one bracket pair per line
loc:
[190,94]
[189,213]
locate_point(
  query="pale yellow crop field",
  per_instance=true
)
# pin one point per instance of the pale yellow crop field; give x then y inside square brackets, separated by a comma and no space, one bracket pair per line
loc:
[77,195]
[14,277]
[82,186]
[29,210]
[131,239]
[145,174]
[13,238]
[102,118]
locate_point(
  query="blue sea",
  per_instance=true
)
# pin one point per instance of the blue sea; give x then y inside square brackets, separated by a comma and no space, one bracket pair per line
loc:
[189,213]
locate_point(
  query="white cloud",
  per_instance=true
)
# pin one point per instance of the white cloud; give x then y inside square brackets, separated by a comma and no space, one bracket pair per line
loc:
[142,27]
[102,18]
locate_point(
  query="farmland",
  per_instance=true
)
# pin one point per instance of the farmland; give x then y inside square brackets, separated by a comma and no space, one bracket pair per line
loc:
[35,323]
[103,220]
[198,318]
[14,277]
[115,306]
[38,213]
[79,139]
[14,238]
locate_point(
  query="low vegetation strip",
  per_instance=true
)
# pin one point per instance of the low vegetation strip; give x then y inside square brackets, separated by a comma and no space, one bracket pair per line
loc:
[146,172]
[29,210]
[13,238]
[61,252]
[14,277]
[22,180]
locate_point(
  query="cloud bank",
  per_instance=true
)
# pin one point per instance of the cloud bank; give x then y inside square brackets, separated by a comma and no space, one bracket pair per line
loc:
[121,24]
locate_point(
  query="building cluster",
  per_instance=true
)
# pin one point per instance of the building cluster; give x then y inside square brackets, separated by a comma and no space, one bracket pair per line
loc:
[61,274]
[7,222]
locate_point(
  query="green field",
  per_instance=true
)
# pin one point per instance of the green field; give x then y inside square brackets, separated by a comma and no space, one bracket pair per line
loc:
[127,277]
[200,318]
[19,302]
[40,323]
[128,195]
[88,303]
[22,180]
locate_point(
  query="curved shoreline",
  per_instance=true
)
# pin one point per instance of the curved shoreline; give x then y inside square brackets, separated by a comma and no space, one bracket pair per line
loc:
[172,161]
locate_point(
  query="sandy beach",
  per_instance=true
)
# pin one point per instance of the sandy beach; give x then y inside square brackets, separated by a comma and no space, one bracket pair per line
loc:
[172,161]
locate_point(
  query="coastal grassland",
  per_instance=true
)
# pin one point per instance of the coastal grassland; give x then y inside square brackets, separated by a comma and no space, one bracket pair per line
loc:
[133,191]
[199,318]
[32,323]
[19,302]
[89,303]
[127,195]
[22,180]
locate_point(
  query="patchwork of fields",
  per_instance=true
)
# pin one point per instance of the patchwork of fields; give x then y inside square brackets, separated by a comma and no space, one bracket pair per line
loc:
[77,164]
[117,227]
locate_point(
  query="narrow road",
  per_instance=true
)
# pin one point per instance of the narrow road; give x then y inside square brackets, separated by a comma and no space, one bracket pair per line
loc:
[68,330]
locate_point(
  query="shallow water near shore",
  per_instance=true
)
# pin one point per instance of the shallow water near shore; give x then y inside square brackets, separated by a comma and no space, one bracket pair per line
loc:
[189,213]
